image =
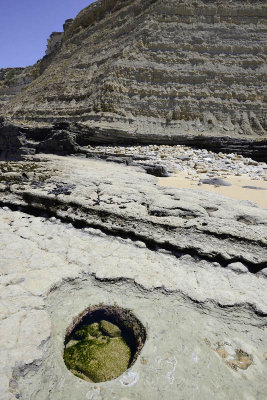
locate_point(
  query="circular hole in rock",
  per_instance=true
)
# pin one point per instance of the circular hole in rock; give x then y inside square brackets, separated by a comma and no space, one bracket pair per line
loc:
[103,342]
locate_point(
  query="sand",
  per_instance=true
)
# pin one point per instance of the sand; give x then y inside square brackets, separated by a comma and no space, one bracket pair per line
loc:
[236,191]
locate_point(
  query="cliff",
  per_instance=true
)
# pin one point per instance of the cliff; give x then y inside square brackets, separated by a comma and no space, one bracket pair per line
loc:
[153,70]
[12,80]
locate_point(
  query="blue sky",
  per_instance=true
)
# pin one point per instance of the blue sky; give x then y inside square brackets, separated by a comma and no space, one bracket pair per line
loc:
[26,24]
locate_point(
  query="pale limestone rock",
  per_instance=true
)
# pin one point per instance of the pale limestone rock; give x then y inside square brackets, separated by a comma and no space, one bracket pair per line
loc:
[237,267]
[35,329]
[177,285]
[146,77]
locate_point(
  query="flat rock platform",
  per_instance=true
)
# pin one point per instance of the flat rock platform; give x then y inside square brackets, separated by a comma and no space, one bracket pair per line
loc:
[190,265]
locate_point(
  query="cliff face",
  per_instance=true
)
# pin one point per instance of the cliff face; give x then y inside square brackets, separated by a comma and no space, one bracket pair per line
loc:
[12,80]
[147,68]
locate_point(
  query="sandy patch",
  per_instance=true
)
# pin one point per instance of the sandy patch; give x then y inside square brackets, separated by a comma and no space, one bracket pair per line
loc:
[236,191]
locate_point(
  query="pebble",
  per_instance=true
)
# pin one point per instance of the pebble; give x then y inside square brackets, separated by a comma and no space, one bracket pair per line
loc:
[237,267]
[140,244]
[200,163]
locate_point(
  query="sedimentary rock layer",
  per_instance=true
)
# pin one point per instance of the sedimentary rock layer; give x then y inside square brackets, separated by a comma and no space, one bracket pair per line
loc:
[149,68]
[12,80]
[99,194]
[190,266]
[64,138]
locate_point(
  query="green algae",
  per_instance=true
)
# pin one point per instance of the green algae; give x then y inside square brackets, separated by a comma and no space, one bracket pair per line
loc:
[80,375]
[109,329]
[88,331]
[97,352]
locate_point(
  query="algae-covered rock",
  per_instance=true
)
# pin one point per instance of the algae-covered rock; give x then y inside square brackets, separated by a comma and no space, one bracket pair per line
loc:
[88,331]
[71,343]
[97,357]
[109,329]
[80,375]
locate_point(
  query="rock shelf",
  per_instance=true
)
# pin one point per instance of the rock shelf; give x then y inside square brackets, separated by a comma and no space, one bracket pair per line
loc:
[126,201]
[191,266]
[192,311]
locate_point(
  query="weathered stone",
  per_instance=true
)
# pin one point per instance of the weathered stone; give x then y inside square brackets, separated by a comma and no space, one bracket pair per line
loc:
[104,195]
[61,142]
[253,187]
[163,290]
[136,85]
[109,329]
[215,182]
[156,170]
[100,359]
[238,267]
[77,233]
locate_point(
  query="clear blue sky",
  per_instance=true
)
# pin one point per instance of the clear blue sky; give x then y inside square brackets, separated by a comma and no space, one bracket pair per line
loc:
[26,24]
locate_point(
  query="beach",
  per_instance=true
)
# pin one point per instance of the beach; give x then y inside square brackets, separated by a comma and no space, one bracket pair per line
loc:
[242,187]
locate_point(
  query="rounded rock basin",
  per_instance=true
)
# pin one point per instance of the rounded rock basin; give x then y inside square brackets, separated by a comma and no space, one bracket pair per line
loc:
[102,343]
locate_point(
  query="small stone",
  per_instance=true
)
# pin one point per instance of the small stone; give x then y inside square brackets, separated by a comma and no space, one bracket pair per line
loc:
[71,343]
[110,329]
[183,158]
[216,264]
[140,244]
[252,162]
[12,175]
[88,331]
[263,272]
[237,267]
[254,187]
[215,182]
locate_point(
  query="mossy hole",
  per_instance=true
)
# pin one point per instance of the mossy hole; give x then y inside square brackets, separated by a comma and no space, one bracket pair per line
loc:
[102,343]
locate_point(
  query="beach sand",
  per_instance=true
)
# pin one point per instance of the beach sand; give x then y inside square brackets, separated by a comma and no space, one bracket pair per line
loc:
[236,191]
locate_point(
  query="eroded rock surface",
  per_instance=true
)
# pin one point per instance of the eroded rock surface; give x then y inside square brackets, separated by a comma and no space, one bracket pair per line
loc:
[124,200]
[99,352]
[12,80]
[191,266]
[51,272]
[155,71]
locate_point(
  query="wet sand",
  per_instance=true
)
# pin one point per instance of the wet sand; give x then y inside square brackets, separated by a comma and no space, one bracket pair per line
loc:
[236,191]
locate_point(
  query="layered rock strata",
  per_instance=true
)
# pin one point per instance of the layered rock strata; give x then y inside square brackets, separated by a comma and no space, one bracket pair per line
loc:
[148,68]
[98,194]
[65,138]
[191,266]
[12,81]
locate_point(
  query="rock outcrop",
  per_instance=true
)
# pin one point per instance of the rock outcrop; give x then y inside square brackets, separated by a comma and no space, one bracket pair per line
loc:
[112,197]
[152,69]
[12,81]
[65,138]
[54,42]
[191,266]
